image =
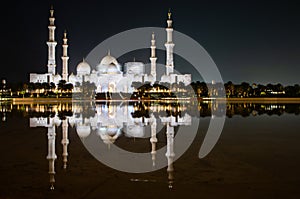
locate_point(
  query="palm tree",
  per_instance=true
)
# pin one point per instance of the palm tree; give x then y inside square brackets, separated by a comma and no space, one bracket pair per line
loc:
[69,87]
[261,90]
[166,86]
[246,89]
[291,91]
[278,87]
[136,85]
[229,87]
[88,90]
[202,89]
[52,86]
[61,86]
[46,87]
[297,90]
[31,88]
[38,87]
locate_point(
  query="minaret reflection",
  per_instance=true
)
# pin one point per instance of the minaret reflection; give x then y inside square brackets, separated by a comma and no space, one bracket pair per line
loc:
[65,142]
[51,117]
[4,108]
[153,139]
[170,154]
[130,119]
[109,122]
[51,155]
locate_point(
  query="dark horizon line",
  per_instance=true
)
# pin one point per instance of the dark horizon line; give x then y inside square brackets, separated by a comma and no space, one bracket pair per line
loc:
[194,81]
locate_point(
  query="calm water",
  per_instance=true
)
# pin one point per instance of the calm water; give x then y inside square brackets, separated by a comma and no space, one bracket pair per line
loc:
[53,150]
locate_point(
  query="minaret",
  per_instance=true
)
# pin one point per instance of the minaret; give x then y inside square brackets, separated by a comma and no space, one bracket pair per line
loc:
[153,58]
[153,139]
[65,142]
[169,46]
[51,44]
[65,58]
[51,155]
[170,154]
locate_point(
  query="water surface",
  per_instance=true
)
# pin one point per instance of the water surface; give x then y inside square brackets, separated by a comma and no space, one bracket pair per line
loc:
[256,156]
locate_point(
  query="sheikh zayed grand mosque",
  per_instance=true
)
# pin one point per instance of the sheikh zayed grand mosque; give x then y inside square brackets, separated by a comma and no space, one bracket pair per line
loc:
[108,75]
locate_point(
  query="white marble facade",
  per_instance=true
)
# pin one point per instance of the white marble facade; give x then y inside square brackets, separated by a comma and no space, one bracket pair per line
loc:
[109,75]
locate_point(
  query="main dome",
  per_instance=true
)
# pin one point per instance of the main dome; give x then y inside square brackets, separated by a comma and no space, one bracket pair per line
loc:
[109,65]
[108,60]
[83,131]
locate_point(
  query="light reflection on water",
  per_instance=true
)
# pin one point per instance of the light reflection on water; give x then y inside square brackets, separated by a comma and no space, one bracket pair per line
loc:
[110,121]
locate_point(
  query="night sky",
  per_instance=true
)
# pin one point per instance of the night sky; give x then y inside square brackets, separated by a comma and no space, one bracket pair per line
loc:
[252,41]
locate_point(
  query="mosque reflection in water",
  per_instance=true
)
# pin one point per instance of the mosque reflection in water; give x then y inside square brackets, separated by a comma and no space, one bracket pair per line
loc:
[111,120]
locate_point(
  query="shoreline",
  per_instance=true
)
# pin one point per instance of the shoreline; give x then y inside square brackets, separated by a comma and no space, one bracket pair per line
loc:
[230,100]
[261,100]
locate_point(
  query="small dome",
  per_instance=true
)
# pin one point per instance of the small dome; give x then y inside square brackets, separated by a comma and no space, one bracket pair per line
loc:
[72,121]
[72,79]
[56,78]
[83,68]
[83,131]
[57,121]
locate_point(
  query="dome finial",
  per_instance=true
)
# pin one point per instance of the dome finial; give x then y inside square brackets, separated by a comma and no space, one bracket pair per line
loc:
[169,14]
[51,11]
[65,34]
[108,52]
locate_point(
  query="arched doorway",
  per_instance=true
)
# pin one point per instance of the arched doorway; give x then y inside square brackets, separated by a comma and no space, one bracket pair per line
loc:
[111,87]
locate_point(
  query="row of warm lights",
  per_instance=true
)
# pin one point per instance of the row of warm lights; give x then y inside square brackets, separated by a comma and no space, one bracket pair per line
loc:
[42,108]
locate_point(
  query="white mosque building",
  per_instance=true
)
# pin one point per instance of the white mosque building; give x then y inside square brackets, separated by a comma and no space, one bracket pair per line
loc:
[108,75]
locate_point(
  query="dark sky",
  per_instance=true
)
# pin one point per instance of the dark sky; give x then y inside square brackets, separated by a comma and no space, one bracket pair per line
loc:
[252,41]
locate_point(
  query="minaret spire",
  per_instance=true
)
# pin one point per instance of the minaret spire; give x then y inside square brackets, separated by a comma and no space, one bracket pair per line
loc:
[153,57]
[169,14]
[51,11]
[65,58]
[51,43]
[169,46]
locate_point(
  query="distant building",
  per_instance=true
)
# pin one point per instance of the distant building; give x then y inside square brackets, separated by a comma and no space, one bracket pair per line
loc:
[4,88]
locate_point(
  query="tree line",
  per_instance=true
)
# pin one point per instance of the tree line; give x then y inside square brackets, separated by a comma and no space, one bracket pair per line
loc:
[195,89]
[230,90]
[62,89]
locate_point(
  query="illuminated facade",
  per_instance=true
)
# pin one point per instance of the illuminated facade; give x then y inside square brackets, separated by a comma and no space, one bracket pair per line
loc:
[109,75]
[51,75]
